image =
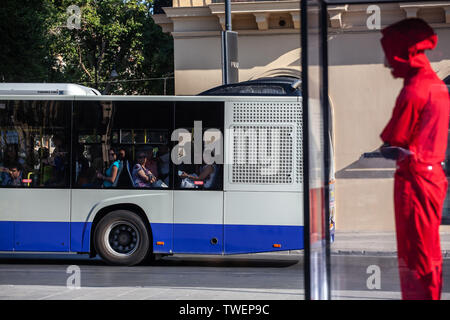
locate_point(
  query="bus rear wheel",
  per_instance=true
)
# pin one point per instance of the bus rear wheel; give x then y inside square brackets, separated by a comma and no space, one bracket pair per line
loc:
[121,238]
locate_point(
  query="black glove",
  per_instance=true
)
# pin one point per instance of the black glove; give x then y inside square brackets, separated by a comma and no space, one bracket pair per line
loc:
[394,153]
[389,152]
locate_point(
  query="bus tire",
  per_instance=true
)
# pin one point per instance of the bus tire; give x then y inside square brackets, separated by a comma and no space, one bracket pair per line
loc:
[121,238]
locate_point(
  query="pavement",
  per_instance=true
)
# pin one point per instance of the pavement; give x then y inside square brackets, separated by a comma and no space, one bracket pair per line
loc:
[371,243]
[375,243]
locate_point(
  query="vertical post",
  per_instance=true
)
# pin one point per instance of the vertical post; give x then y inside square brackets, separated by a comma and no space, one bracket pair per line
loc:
[323,40]
[225,42]
[316,174]
[305,144]
[228,26]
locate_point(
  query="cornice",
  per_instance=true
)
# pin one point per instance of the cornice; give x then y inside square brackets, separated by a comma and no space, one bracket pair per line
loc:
[257,7]
[342,18]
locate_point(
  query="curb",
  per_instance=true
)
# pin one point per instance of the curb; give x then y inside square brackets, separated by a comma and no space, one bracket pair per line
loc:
[345,252]
[445,253]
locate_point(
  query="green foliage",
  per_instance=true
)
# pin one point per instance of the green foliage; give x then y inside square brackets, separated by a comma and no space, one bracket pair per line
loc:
[115,35]
[23,41]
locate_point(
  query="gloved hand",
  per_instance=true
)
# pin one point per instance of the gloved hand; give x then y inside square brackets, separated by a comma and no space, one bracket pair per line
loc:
[388,152]
[394,153]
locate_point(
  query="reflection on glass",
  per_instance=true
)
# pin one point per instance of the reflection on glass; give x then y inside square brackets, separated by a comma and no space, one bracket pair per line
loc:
[34,144]
[364,94]
[319,278]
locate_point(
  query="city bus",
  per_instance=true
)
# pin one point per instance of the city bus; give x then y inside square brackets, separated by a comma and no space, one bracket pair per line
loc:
[133,177]
[67,89]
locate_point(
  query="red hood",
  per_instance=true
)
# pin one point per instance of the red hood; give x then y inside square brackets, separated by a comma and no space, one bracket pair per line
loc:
[404,44]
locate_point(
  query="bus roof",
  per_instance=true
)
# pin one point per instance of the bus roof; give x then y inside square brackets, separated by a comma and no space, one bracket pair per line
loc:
[47,89]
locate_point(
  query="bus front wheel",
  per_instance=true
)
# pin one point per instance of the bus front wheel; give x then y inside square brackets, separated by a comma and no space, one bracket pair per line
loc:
[121,238]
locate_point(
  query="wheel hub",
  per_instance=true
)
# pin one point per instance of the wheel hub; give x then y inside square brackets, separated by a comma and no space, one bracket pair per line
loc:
[123,238]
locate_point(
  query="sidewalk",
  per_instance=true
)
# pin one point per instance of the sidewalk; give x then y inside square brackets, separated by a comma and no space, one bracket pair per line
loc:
[375,243]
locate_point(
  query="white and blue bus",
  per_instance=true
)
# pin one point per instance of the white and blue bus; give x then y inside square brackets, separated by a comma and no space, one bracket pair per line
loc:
[130,177]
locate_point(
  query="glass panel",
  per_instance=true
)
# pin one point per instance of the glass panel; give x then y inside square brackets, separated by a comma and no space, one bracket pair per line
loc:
[34,150]
[446,211]
[318,184]
[385,87]
[198,154]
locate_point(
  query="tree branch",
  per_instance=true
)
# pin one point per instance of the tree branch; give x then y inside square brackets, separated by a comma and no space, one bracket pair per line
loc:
[82,64]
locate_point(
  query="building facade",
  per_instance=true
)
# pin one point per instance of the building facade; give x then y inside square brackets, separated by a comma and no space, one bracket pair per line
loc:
[362,91]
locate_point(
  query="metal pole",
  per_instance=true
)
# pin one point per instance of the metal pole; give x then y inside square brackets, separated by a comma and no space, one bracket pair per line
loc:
[224,41]
[228,26]
[323,40]
[305,144]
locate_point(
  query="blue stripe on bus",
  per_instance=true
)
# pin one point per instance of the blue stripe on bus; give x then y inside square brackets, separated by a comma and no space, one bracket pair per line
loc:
[80,236]
[197,238]
[262,238]
[6,235]
[167,237]
[162,237]
[42,236]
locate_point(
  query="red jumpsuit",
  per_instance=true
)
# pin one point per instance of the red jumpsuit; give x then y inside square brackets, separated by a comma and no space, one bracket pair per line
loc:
[419,122]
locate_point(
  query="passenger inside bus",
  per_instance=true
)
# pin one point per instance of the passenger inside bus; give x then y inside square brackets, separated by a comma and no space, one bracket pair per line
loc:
[11,158]
[45,168]
[13,177]
[163,159]
[142,176]
[11,155]
[85,174]
[151,163]
[122,154]
[59,161]
[111,174]
[204,177]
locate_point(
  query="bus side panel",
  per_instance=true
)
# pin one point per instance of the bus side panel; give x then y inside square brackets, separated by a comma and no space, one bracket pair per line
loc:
[80,236]
[162,237]
[198,222]
[35,219]
[254,238]
[263,221]
[41,236]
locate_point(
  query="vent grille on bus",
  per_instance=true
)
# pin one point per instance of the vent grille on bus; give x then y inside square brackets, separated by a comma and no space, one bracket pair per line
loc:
[267,147]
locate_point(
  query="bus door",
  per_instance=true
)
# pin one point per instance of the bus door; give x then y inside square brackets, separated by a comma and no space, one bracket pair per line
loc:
[35,169]
[197,155]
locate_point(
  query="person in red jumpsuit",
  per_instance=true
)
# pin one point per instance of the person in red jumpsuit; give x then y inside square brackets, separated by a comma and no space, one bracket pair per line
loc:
[416,136]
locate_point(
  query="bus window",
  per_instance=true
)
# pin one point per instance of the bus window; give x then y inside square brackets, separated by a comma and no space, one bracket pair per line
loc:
[198,150]
[122,144]
[35,144]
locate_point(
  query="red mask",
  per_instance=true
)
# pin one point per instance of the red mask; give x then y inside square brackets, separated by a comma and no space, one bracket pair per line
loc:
[404,44]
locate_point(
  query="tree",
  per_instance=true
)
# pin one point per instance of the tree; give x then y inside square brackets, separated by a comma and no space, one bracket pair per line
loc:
[23,41]
[115,35]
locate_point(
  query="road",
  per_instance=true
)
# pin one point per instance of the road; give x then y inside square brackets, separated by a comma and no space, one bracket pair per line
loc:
[241,277]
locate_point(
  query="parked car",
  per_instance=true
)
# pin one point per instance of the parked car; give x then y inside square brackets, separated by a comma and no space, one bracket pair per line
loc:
[275,86]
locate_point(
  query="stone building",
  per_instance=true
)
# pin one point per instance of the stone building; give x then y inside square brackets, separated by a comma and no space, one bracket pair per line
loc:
[362,91]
